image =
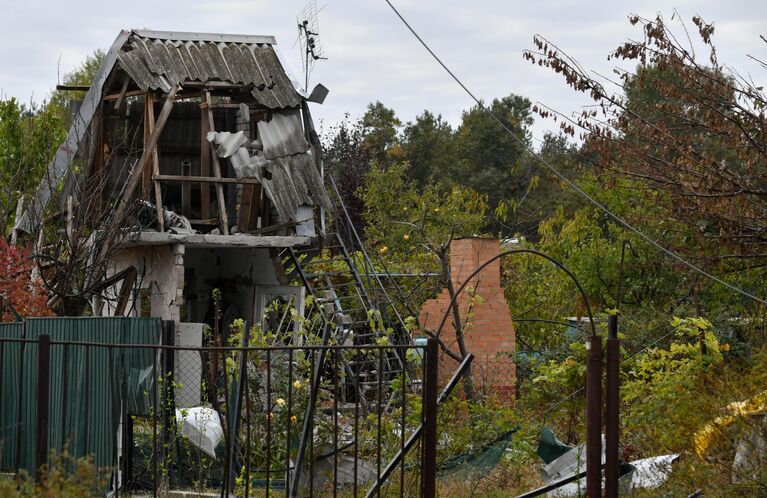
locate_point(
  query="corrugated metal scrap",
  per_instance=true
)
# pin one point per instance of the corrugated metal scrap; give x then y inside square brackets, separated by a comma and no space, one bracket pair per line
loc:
[285,168]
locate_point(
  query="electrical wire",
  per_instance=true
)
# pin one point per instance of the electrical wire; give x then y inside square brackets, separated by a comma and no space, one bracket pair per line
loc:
[569,182]
[630,357]
[581,192]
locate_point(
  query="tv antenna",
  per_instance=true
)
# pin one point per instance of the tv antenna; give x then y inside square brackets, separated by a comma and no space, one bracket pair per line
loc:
[309,37]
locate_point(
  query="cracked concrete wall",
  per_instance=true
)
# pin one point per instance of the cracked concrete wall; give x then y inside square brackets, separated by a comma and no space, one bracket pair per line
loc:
[161,272]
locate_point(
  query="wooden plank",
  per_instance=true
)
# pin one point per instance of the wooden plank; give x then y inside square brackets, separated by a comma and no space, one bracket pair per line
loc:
[222,215]
[244,210]
[250,207]
[73,88]
[204,164]
[125,291]
[146,172]
[116,96]
[121,95]
[221,106]
[156,163]
[206,180]
[135,177]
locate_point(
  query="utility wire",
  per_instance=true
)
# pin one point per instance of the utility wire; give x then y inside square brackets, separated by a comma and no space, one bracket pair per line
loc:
[569,182]
[630,357]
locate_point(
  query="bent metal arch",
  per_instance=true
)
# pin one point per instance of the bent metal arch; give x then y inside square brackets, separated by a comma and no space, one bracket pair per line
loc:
[507,253]
[593,369]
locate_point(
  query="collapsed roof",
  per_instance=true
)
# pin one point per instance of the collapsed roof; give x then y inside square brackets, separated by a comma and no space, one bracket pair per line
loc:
[160,61]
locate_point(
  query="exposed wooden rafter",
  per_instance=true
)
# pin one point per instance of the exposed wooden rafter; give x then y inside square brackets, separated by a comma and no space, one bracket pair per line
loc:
[155,158]
[222,216]
[149,148]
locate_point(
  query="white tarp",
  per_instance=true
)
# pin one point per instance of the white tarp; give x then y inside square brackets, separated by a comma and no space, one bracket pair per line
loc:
[751,451]
[202,426]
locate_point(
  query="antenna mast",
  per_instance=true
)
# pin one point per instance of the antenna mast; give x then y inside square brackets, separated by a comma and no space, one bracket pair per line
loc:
[309,36]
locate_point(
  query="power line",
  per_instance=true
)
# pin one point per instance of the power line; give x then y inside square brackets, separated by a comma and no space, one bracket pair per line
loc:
[632,356]
[569,182]
[580,191]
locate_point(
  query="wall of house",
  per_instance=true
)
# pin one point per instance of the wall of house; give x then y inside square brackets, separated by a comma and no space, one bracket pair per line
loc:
[160,279]
[489,329]
[179,281]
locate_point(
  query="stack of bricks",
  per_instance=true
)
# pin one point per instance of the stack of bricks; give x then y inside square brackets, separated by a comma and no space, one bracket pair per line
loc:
[488,327]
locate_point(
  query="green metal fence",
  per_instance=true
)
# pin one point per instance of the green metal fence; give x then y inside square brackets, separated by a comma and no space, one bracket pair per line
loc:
[85,390]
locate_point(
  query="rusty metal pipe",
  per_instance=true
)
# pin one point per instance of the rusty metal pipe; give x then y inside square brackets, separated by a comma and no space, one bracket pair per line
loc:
[612,416]
[594,417]
[429,441]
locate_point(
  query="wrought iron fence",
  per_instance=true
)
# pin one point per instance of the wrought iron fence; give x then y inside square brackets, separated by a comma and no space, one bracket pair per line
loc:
[310,420]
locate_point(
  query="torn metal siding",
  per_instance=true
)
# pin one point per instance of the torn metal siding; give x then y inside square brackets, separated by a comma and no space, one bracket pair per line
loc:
[294,182]
[282,135]
[61,162]
[286,167]
[157,60]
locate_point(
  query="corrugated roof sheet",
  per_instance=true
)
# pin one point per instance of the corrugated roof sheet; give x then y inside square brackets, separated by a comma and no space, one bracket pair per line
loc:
[157,60]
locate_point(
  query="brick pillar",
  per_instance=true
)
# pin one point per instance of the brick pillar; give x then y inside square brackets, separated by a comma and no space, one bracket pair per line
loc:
[489,329]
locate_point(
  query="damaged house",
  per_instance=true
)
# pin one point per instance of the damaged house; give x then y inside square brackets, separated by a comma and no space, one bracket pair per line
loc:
[191,165]
[205,139]
[190,197]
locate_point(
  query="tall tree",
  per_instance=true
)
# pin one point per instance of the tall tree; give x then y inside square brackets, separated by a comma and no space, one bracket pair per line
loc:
[380,127]
[30,134]
[28,138]
[352,148]
[429,148]
[544,193]
[693,129]
[489,158]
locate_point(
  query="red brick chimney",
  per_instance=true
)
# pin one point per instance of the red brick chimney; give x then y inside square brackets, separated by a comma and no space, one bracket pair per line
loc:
[489,330]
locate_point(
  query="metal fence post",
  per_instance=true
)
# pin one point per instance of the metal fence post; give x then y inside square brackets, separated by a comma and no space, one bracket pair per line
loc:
[168,394]
[43,387]
[429,468]
[594,417]
[612,416]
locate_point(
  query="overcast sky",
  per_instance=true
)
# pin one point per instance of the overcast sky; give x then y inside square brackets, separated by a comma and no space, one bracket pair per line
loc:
[370,54]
